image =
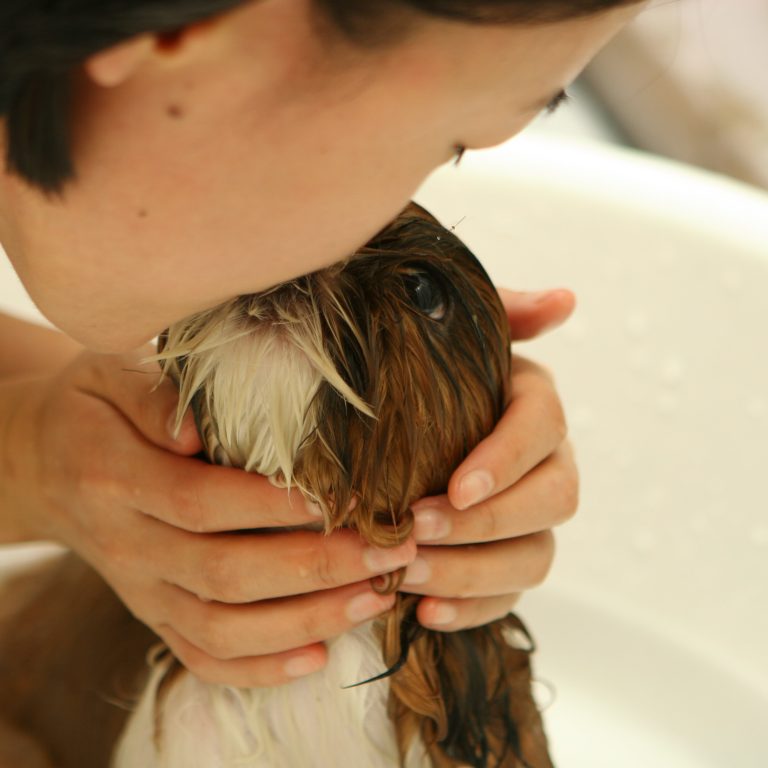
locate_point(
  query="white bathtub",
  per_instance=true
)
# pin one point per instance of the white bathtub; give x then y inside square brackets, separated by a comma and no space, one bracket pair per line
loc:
[653,626]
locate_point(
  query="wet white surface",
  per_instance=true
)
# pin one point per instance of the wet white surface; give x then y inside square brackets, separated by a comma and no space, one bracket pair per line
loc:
[622,692]
[653,625]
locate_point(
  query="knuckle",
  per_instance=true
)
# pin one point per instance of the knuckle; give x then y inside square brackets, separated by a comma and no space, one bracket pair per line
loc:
[566,491]
[201,665]
[212,638]
[310,628]
[487,521]
[114,550]
[95,480]
[185,501]
[218,575]
[466,588]
[323,570]
[555,414]
[571,495]
[542,556]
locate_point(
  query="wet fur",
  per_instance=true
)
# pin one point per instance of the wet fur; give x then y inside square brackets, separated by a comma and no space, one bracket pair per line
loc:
[337,386]
[392,402]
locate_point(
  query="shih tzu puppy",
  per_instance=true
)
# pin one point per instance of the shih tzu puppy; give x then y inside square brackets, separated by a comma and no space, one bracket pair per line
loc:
[361,387]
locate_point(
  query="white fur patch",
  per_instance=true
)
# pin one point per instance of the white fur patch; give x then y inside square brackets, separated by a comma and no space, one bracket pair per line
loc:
[312,722]
[260,388]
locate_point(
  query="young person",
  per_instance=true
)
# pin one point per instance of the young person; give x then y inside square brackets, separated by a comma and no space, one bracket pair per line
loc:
[163,156]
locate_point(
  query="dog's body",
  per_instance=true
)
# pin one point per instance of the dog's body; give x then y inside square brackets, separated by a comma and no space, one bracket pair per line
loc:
[72,661]
[361,387]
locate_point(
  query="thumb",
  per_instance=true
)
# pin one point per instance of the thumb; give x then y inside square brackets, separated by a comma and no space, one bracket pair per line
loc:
[531,314]
[134,388]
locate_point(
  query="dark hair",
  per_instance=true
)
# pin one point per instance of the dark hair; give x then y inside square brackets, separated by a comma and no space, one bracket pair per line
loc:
[43,41]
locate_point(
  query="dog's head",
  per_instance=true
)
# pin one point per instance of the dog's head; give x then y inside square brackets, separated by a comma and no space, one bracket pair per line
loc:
[363,384]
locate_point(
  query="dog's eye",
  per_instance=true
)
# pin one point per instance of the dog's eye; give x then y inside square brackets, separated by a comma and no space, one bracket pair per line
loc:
[425,295]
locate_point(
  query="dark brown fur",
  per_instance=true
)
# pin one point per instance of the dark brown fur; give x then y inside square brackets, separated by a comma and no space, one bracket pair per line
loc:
[72,660]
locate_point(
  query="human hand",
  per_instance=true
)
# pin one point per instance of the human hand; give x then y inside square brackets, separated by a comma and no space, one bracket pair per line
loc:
[489,538]
[96,468]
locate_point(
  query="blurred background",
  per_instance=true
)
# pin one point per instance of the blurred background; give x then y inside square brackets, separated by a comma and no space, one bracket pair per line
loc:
[687,80]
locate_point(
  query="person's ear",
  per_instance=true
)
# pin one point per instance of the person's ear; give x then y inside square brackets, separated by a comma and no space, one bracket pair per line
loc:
[113,66]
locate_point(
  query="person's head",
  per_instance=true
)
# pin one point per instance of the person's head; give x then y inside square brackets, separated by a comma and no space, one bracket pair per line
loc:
[164,155]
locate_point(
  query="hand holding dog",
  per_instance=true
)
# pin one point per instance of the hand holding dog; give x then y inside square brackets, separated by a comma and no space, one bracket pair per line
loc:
[505,498]
[96,467]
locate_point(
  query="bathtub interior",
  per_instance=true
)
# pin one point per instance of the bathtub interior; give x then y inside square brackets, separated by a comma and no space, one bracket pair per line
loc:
[652,627]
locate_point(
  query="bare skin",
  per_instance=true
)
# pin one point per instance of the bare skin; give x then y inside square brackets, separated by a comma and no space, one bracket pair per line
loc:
[251,130]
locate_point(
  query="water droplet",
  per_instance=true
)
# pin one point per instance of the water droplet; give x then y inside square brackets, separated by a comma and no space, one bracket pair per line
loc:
[672,371]
[544,693]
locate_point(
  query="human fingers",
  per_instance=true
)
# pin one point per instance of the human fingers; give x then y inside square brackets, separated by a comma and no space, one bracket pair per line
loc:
[244,568]
[205,498]
[250,671]
[444,614]
[179,490]
[545,497]
[531,428]
[481,570]
[134,388]
[228,632]
[186,493]
[531,314]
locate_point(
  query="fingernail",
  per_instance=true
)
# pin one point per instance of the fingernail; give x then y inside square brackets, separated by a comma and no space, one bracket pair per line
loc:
[474,488]
[379,560]
[430,524]
[418,572]
[368,605]
[443,613]
[539,297]
[300,666]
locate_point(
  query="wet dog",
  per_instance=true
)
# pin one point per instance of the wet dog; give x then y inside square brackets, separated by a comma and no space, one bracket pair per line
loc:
[361,387]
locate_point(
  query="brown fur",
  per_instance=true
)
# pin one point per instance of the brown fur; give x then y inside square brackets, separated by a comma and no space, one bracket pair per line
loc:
[71,663]
[434,387]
